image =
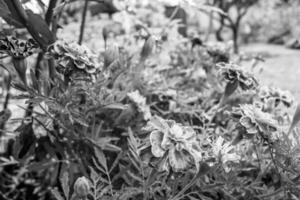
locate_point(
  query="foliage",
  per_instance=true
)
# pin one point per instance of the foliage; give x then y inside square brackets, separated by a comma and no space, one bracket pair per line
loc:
[152,117]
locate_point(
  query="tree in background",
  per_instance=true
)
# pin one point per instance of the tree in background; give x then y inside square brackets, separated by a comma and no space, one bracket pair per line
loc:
[234,11]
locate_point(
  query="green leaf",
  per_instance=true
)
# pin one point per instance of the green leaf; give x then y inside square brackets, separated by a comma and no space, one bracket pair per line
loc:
[296,119]
[64,179]
[4,11]
[9,13]
[101,158]
[56,194]
[39,29]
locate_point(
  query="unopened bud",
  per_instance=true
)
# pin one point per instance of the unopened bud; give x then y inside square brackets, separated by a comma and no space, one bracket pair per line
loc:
[148,47]
[82,187]
[111,55]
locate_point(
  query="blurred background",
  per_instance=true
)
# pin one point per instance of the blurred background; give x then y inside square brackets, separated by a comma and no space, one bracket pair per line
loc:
[267,28]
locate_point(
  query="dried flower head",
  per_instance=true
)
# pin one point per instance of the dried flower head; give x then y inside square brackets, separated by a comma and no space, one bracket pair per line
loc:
[177,145]
[234,73]
[18,48]
[275,95]
[72,56]
[140,102]
[254,120]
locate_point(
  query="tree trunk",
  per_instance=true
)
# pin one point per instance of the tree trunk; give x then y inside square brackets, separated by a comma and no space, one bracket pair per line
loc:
[220,29]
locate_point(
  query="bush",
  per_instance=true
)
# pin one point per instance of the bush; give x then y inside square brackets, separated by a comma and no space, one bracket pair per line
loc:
[169,120]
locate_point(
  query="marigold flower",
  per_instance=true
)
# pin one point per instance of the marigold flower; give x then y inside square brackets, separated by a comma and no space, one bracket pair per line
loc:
[234,73]
[254,120]
[18,48]
[72,55]
[177,145]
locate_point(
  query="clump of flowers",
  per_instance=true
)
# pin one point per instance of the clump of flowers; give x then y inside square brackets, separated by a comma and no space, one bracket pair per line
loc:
[254,120]
[235,74]
[72,57]
[18,48]
[140,102]
[177,145]
[275,96]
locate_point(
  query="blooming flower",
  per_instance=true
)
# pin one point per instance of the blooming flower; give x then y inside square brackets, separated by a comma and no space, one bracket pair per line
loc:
[140,102]
[18,48]
[234,73]
[177,145]
[72,55]
[254,120]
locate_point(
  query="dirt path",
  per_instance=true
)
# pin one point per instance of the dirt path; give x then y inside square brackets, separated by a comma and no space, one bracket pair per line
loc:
[281,69]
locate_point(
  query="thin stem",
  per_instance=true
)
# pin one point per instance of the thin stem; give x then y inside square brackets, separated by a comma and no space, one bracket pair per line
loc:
[83,22]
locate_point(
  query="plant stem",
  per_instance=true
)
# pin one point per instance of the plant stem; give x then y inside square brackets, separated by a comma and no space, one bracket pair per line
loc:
[83,22]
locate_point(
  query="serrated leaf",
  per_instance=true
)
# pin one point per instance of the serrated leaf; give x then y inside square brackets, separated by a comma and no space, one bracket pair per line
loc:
[101,158]
[296,119]
[64,179]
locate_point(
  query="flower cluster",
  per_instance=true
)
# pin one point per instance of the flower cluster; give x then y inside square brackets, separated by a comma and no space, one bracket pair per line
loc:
[275,96]
[140,102]
[18,48]
[254,120]
[178,146]
[71,56]
[235,74]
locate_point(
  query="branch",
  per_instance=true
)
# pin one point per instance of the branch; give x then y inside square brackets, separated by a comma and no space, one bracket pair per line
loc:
[83,22]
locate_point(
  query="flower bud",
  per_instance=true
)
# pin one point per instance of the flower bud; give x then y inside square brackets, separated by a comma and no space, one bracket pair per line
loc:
[111,55]
[148,47]
[81,187]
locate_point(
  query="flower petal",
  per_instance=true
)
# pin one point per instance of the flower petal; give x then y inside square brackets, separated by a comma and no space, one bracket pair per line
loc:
[156,138]
[178,160]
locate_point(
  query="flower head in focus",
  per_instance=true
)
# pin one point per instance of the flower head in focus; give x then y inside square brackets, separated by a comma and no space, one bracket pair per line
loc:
[177,145]
[234,73]
[18,48]
[72,56]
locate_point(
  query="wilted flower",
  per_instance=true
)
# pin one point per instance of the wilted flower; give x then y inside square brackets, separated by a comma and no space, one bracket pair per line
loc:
[254,120]
[71,56]
[224,151]
[219,51]
[234,73]
[272,95]
[81,187]
[18,48]
[177,145]
[140,102]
